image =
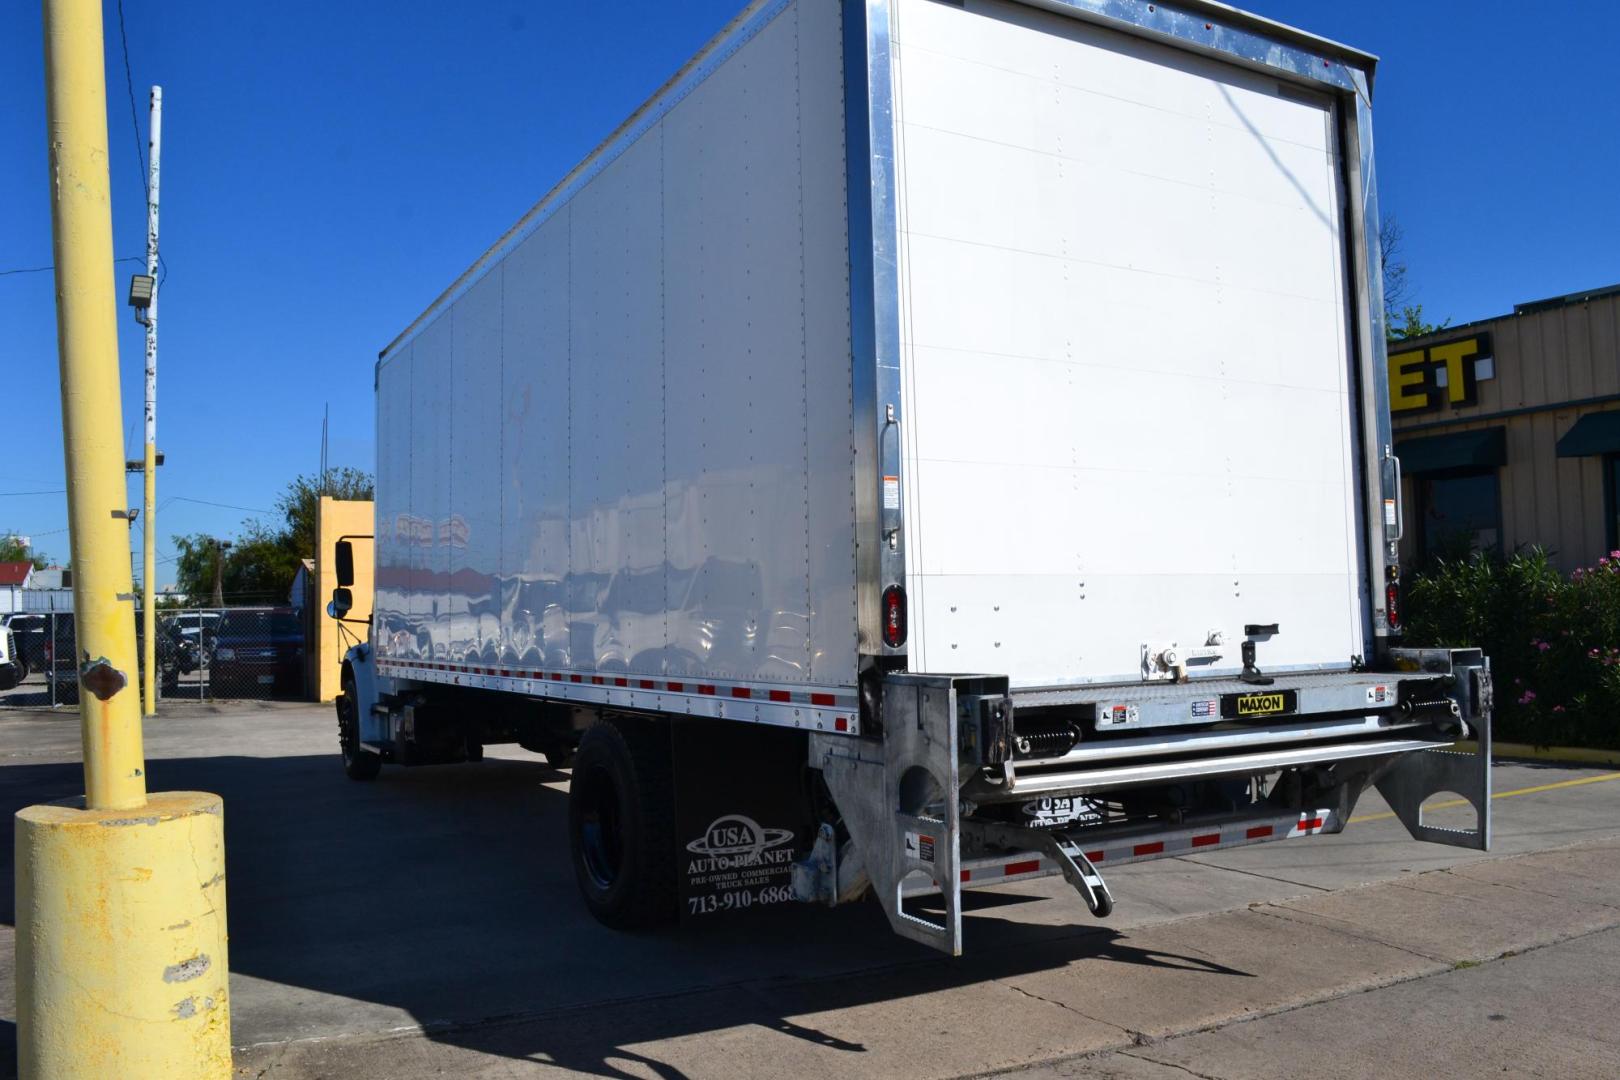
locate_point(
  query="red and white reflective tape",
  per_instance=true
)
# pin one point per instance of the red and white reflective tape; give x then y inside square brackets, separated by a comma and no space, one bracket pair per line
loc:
[1144,848]
[814,709]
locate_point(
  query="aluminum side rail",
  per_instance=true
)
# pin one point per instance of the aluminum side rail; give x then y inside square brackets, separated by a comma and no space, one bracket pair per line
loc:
[1086,781]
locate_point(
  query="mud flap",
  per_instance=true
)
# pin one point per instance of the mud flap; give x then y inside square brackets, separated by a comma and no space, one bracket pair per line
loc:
[900,799]
[1413,778]
[741,819]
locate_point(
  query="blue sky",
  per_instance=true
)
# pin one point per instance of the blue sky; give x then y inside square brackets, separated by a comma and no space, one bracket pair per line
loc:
[329,168]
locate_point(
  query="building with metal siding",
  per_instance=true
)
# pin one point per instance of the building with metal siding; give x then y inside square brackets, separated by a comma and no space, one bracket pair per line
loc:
[1508,431]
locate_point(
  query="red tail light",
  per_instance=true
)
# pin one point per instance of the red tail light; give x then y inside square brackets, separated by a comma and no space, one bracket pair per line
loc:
[894,616]
[1392,604]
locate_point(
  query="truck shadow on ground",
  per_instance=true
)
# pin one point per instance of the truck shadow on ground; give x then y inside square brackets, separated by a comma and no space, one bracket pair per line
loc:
[444,897]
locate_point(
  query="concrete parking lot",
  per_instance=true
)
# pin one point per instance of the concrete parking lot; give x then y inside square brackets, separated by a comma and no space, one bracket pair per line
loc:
[427,925]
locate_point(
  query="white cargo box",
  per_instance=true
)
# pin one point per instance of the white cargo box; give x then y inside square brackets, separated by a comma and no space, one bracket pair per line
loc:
[1068,326]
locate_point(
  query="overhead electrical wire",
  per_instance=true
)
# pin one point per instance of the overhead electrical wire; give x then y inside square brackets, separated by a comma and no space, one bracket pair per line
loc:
[135,124]
[44,269]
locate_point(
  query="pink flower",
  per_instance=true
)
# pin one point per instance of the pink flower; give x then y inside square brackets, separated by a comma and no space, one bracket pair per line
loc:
[1543,646]
[1529,696]
[1614,554]
[1593,653]
[1558,708]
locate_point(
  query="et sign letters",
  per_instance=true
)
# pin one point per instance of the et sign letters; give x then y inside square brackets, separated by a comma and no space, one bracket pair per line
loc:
[1421,379]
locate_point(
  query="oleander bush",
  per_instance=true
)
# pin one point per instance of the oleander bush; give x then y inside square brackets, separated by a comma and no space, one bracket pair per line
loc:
[1554,641]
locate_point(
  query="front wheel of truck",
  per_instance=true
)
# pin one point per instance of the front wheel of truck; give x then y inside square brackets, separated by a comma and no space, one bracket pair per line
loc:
[621,832]
[358,762]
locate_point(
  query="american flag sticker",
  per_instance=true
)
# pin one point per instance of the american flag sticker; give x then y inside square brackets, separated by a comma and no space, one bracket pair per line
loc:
[1207,708]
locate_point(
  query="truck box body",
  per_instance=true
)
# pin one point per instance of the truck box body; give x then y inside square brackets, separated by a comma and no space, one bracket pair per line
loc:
[991,391]
[625,449]
[631,444]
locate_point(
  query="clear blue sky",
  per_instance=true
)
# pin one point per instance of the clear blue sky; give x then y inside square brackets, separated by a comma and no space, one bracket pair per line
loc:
[329,168]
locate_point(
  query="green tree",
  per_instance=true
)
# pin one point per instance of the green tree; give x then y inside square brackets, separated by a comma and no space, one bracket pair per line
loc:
[260,564]
[1410,323]
[12,549]
[298,505]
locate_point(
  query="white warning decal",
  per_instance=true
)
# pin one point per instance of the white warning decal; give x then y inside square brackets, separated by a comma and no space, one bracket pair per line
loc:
[920,846]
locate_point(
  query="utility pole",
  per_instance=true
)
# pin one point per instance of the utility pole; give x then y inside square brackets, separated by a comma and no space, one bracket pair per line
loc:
[134,983]
[220,547]
[149,537]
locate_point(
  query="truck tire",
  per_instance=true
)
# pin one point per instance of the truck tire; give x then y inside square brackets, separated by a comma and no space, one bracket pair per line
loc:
[621,831]
[358,763]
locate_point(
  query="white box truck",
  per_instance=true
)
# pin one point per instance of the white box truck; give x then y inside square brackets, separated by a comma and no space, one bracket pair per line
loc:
[930,444]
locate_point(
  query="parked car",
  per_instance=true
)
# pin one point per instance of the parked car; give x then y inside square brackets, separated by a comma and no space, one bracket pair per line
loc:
[29,633]
[62,671]
[11,670]
[195,632]
[256,651]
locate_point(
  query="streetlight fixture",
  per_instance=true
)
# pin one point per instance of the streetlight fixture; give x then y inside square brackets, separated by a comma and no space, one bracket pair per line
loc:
[141,288]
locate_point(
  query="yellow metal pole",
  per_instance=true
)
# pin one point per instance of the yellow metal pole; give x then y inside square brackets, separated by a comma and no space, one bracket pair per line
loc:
[92,415]
[121,946]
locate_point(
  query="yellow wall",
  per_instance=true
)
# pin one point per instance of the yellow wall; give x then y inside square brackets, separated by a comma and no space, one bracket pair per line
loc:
[335,518]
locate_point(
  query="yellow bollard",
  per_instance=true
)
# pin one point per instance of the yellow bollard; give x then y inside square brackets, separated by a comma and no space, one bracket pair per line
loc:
[121,949]
[121,963]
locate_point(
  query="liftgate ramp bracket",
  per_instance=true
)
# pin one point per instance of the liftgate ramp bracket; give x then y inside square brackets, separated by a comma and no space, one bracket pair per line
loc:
[1412,779]
[900,800]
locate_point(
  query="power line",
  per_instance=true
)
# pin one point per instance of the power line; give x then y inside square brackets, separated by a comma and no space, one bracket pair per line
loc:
[135,124]
[222,506]
[134,117]
[45,269]
[13,494]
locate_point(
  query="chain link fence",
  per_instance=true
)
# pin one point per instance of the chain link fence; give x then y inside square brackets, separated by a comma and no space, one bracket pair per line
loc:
[202,654]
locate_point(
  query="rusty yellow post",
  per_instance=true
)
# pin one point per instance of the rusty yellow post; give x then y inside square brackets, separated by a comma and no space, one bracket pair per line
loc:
[92,416]
[121,963]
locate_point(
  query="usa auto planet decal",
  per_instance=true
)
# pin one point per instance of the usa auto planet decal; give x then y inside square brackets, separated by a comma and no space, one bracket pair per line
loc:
[737,864]
[1064,810]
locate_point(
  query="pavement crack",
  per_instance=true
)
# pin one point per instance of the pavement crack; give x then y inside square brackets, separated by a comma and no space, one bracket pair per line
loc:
[1346,929]
[1068,1008]
[281,1053]
[1254,874]
[1450,872]
[1169,1065]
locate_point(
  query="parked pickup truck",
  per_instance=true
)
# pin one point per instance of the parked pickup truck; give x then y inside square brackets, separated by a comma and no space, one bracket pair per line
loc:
[12,668]
[929,445]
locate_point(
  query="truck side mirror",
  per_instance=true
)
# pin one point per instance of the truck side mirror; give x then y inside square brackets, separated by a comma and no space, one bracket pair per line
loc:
[342,601]
[345,563]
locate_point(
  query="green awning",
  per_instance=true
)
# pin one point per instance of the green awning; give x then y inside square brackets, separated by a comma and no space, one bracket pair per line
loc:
[1484,449]
[1594,433]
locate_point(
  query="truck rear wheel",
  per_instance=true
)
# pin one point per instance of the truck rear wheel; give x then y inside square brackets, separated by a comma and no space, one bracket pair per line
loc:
[358,763]
[620,824]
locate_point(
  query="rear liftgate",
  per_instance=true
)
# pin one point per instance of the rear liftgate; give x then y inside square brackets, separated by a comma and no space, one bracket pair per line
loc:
[945,798]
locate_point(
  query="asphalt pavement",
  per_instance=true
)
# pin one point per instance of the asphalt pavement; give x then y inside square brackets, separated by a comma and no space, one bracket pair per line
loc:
[427,925]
